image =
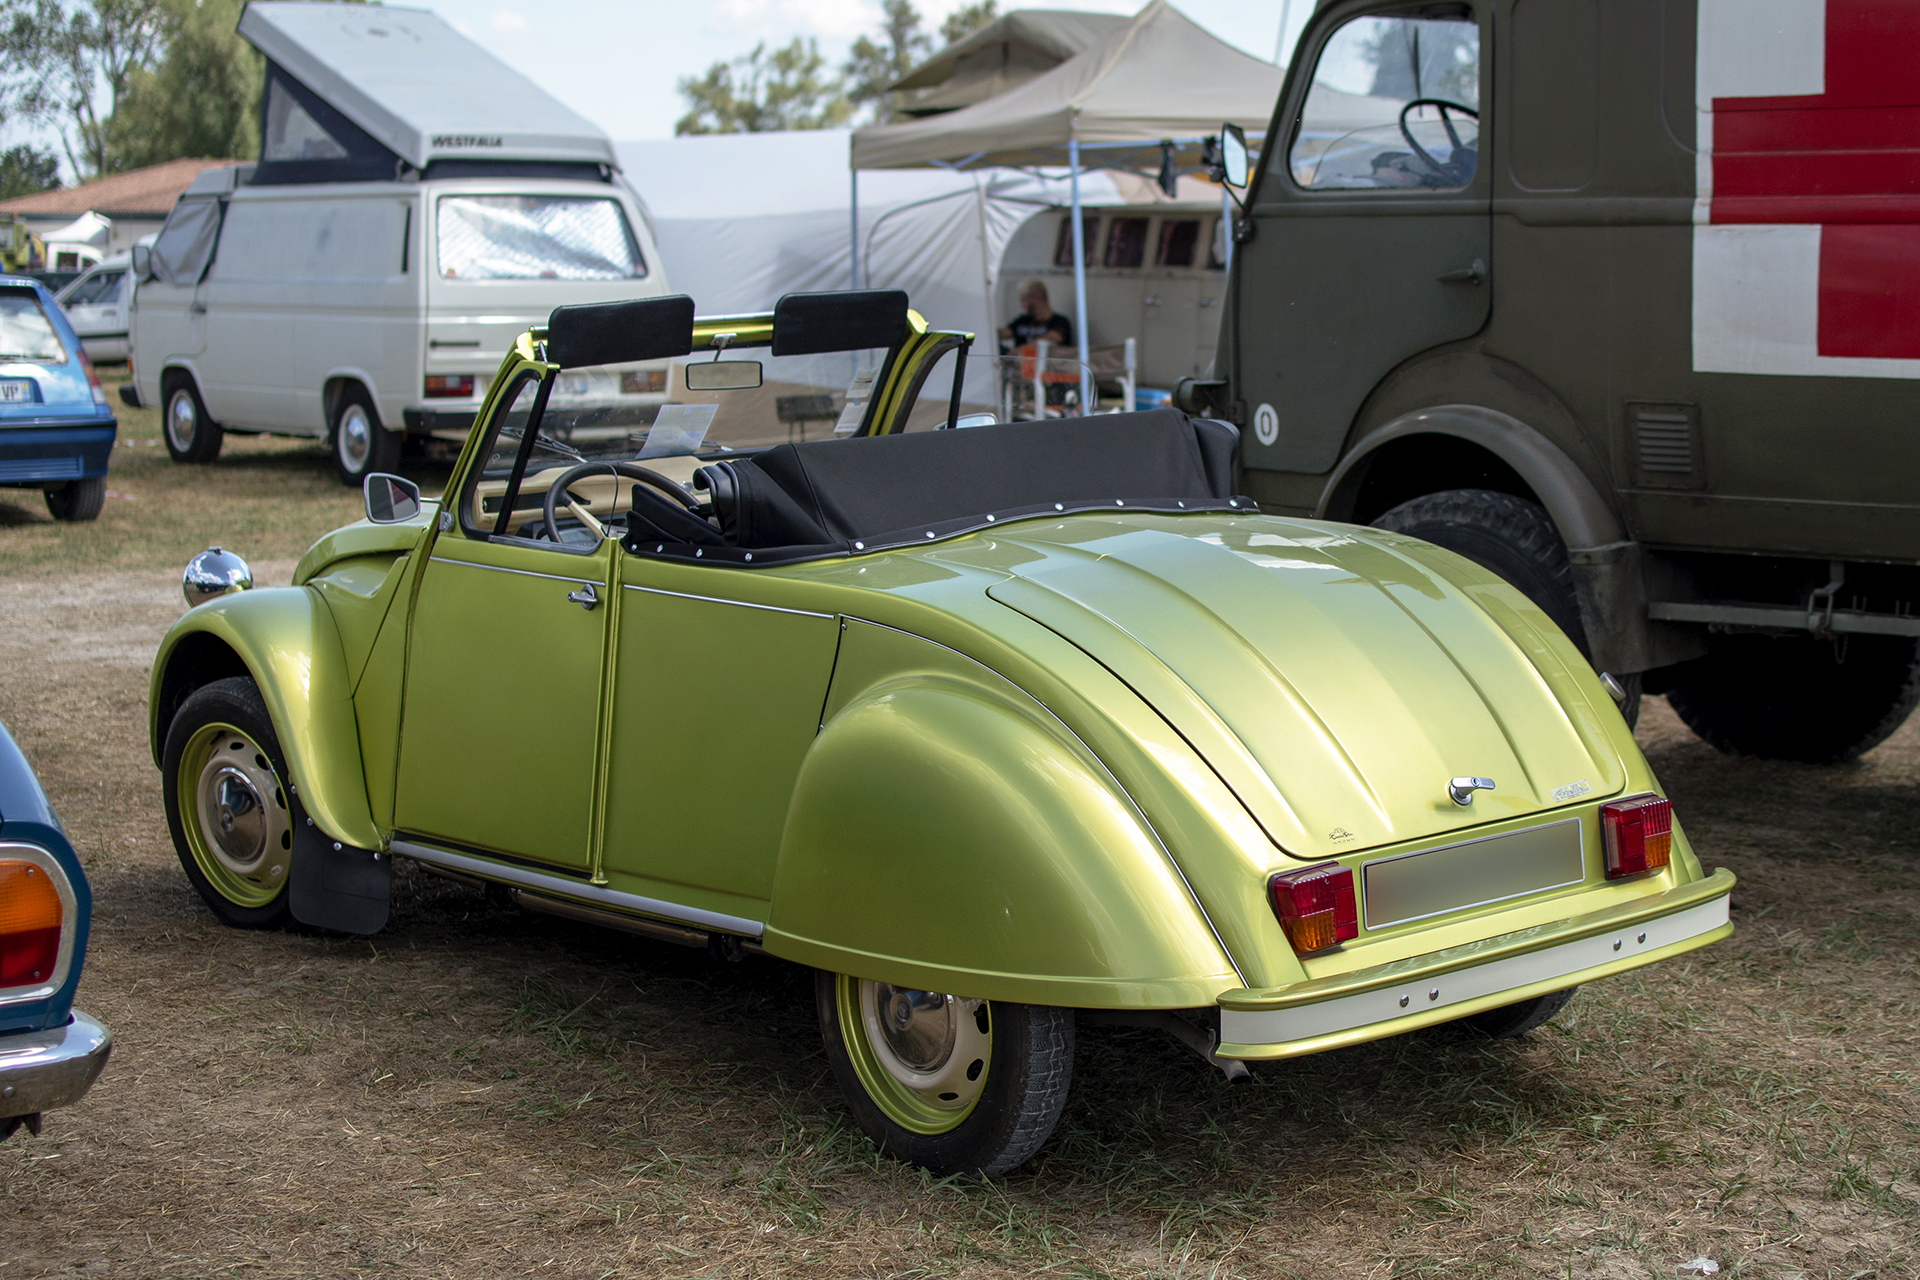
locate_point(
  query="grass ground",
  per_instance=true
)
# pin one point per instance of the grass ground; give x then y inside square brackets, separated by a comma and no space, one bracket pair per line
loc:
[476,1092]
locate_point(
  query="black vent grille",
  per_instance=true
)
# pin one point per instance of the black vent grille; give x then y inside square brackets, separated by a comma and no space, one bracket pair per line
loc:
[1665,439]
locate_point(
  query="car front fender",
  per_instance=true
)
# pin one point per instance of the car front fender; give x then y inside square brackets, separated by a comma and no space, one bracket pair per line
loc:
[285,639]
[947,833]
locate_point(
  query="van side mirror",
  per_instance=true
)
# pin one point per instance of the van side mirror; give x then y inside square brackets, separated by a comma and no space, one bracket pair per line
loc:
[143,262]
[1233,155]
[389,499]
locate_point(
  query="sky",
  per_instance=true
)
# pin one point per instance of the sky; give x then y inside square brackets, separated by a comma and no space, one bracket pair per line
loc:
[617,63]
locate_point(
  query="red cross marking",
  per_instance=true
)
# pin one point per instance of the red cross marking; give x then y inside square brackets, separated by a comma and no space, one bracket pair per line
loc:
[1847,160]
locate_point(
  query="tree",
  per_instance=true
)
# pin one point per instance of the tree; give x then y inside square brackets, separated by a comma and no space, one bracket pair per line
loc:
[26,169]
[203,100]
[875,65]
[56,61]
[966,20]
[762,92]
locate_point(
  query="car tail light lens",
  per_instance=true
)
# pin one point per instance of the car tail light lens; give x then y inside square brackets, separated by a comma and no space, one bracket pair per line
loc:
[93,380]
[1315,906]
[635,382]
[1638,835]
[449,386]
[30,919]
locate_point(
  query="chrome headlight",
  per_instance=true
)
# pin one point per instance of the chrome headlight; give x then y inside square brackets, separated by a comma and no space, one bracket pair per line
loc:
[214,573]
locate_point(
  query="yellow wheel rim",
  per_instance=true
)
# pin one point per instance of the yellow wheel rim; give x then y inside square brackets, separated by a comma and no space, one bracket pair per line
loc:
[921,1056]
[234,812]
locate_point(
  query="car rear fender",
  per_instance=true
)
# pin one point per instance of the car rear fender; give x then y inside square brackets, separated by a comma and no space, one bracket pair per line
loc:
[948,833]
[286,640]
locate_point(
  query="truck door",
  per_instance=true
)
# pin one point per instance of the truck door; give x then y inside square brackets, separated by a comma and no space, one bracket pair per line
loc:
[1371,223]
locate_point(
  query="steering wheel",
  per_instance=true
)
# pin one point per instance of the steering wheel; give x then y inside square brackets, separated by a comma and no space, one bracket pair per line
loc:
[631,470]
[1454,172]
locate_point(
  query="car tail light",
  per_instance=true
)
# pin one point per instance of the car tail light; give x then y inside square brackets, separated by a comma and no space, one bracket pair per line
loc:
[1638,835]
[635,382]
[30,919]
[93,380]
[449,386]
[1315,906]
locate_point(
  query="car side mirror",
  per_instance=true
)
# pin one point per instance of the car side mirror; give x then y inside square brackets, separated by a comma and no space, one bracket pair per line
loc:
[142,262]
[1233,155]
[389,499]
[723,375]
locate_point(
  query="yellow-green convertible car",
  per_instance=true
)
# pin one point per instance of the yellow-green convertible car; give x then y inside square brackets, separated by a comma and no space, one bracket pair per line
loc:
[995,726]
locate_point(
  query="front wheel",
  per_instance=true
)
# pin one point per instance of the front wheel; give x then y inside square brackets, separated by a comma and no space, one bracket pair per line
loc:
[190,434]
[361,446]
[952,1084]
[228,811]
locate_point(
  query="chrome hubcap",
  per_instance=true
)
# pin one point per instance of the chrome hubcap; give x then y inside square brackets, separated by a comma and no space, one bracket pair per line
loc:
[181,421]
[934,1045]
[243,815]
[356,438]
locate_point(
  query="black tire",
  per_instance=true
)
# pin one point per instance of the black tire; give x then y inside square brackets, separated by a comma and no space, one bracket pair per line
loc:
[1515,1020]
[1515,539]
[191,435]
[78,499]
[233,702]
[361,446]
[1797,697]
[1021,1101]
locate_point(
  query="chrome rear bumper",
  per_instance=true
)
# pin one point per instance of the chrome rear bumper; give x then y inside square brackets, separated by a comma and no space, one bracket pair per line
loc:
[43,1070]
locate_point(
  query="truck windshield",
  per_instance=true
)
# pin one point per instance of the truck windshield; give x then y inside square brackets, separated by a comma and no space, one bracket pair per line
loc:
[1395,102]
[26,335]
[536,238]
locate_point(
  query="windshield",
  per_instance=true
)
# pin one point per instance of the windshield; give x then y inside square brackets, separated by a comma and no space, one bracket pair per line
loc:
[26,335]
[1394,103]
[536,238]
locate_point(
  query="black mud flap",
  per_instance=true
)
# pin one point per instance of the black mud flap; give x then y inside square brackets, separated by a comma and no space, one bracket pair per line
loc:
[336,886]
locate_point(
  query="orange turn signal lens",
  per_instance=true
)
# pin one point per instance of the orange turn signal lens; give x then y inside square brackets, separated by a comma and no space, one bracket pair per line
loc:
[1638,834]
[30,919]
[1315,906]
[635,382]
[449,386]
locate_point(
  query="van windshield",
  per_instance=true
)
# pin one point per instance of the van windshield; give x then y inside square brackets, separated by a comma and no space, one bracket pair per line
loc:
[536,238]
[25,332]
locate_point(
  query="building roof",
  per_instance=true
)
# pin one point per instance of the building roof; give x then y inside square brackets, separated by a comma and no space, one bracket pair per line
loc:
[137,193]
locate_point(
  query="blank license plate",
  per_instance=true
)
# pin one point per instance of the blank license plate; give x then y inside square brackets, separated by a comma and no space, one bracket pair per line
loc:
[15,390]
[1472,874]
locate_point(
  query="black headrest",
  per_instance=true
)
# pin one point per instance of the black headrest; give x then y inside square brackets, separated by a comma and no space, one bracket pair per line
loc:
[806,324]
[618,332]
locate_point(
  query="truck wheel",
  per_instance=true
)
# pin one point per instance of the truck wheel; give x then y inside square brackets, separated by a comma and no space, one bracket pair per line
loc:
[227,809]
[1513,538]
[361,446]
[1515,1020]
[1797,697]
[191,435]
[950,1084]
[78,499]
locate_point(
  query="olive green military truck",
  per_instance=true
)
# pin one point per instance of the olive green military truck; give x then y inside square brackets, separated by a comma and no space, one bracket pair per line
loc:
[1620,298]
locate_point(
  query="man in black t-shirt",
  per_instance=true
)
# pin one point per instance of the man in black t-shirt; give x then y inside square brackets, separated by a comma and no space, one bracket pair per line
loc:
[1039,322]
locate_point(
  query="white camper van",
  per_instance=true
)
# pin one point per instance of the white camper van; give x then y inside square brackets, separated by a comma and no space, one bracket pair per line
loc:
[416,206]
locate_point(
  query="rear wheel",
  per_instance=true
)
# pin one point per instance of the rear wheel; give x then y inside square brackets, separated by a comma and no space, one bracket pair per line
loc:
[78,499]
[954,1085]
[361,446]
[191,435]
[1516,1020]
[1513,538]
[228,811]
[1797,697]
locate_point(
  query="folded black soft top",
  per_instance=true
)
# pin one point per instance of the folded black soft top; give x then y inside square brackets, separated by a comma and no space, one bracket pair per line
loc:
[866,493]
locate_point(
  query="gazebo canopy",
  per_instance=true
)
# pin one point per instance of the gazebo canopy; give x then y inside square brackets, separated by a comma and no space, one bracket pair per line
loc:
[1162,76]
[1003,55]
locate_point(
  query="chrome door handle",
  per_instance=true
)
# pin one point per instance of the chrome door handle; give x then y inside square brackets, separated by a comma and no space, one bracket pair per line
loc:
[1473,274]
[586,597]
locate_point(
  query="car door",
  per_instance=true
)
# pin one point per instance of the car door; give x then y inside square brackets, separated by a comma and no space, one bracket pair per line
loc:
[1371,225]
[95,309]
[500,718]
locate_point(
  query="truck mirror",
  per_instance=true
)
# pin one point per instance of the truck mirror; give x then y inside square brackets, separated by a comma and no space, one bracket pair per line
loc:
[1233,155]
[389,499]
[142,262]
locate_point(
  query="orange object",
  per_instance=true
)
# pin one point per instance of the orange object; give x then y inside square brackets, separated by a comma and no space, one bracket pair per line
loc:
[30,919]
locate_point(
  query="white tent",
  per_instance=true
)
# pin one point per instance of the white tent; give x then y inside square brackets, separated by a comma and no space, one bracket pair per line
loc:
[1160,78]
[89,229]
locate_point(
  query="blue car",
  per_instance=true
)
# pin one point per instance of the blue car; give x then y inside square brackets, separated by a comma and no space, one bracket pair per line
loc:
[50,1052]
[55,428]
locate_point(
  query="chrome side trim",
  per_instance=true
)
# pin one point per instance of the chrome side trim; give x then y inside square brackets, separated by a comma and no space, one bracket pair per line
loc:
[48,1069]
[740,604]
[63,958]
[494,568]
[577,890]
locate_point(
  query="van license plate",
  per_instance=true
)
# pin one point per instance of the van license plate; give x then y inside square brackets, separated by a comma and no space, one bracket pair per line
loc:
[15,390]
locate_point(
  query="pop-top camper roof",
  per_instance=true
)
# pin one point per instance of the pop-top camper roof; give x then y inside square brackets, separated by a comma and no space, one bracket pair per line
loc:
[362,87]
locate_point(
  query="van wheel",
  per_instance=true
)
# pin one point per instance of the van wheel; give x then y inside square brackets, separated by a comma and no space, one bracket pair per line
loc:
[1797,697]
[361,446]
[950,1084]
[78,499]
[229,812]
[1513,538]
[191,435]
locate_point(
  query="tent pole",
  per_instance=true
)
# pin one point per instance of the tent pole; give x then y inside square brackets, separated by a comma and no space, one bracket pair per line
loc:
[853,230]
[1079,277]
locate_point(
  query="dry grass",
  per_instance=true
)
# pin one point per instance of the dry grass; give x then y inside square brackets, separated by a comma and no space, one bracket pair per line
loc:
[479,1093]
